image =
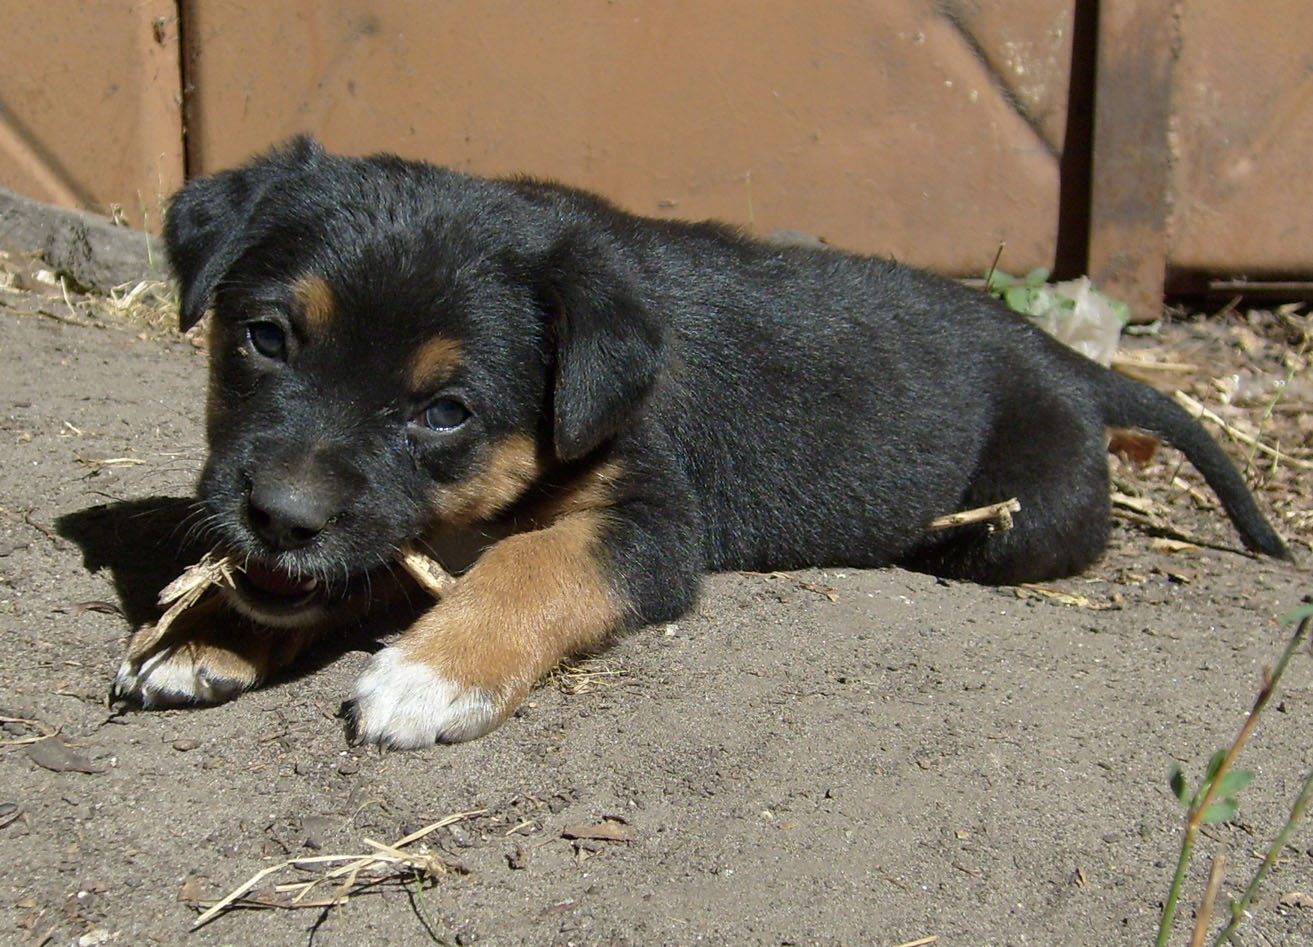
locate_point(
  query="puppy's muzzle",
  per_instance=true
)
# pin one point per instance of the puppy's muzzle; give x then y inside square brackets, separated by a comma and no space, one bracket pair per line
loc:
[286,511]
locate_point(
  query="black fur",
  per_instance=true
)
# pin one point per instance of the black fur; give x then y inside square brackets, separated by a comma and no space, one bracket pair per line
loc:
[768,407]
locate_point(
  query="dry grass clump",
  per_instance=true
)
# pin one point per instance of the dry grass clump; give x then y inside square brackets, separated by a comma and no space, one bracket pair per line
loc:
[326,887]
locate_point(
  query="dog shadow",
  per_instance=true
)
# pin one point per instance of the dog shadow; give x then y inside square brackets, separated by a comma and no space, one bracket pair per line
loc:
[145,544]
[142,543]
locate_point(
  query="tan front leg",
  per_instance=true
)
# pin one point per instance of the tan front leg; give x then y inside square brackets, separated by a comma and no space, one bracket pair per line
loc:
[466,664]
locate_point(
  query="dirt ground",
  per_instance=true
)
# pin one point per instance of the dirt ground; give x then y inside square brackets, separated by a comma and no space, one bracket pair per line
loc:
[825,757]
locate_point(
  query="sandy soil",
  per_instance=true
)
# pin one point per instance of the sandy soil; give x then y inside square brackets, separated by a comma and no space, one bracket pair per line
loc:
[827,757]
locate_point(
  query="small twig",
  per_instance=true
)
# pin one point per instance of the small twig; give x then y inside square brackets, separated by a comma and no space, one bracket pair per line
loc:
[110,461]
[1155,527]
[1000,512]
[998,255]
[45,531]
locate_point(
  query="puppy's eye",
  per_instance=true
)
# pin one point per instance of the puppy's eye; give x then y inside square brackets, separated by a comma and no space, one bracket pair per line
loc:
[445,414]
[268,338]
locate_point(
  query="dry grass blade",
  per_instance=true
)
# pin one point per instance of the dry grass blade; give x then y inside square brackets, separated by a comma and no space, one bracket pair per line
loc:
[44,730]
[588,676]
[386,862]
[1199,411]
[1210,895]
[148,302]
[822,590]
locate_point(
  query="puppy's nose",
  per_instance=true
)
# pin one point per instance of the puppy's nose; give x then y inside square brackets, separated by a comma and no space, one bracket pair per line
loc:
[289,515]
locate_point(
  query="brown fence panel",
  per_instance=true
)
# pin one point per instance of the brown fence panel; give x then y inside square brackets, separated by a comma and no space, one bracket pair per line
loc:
[89,105]
[1243,139]
[1131,177]
[928,131]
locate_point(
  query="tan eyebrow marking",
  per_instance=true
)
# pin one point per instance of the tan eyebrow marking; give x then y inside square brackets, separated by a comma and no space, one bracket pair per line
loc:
[315,304]
[433,363]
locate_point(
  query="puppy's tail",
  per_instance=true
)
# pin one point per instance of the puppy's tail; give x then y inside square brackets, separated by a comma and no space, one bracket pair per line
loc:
[1128,403]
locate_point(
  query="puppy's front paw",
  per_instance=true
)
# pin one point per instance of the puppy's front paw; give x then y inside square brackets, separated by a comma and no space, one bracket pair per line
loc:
[208,655]
[405,704]
[183,673]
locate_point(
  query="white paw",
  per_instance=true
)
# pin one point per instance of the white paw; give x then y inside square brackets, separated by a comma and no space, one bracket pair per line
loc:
[405,704]
[172,678]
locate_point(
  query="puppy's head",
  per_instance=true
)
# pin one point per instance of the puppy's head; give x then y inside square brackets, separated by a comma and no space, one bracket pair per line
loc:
[395,347]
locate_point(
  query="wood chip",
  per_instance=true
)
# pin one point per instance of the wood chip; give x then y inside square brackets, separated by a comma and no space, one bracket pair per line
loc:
[1059,596]
[181,594]
[1141,505]
[1164,544]
[608,830]
[426,571]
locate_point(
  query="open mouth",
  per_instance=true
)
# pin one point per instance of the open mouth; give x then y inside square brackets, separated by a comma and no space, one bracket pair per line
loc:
[272,595]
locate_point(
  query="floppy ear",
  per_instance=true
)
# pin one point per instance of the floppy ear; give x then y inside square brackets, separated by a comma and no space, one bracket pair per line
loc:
[205,227]
[608,345]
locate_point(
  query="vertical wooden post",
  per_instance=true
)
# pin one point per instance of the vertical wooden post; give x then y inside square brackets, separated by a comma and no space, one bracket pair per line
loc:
[1130,175]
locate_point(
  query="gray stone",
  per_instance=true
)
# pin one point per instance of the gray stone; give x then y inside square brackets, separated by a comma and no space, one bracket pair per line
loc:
[91,250]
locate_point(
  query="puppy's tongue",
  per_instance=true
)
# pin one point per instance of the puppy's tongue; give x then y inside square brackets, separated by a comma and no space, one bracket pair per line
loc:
[277,582]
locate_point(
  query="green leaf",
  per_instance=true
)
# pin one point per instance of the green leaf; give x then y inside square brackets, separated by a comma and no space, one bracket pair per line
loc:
[1018,298]
[1120,310]
[1221,811]
[1179,788]
[1214,765]
[1037,277]
[1233,781]
[1299,613]
[998,281]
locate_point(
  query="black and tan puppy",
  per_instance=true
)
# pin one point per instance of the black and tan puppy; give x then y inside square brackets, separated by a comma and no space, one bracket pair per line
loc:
[400,350]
